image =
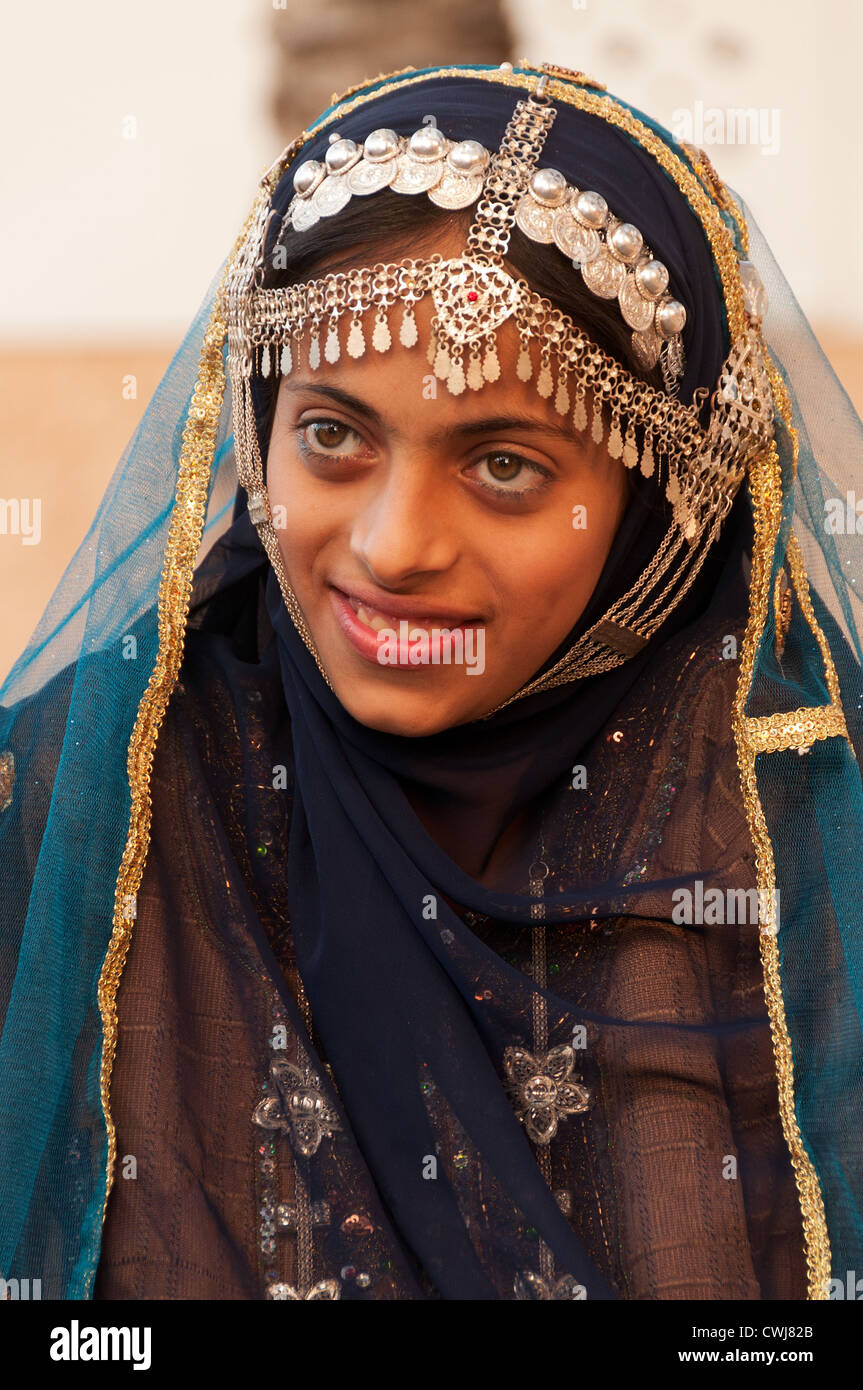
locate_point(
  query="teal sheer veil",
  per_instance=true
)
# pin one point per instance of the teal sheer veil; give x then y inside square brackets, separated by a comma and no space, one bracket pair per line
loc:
[68,710]
[81,705]
[800,733]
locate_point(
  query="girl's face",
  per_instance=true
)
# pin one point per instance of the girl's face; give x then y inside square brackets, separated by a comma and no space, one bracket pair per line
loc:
[401,509]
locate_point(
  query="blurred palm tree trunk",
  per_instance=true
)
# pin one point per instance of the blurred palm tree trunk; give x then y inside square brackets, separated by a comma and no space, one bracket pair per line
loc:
[325,46]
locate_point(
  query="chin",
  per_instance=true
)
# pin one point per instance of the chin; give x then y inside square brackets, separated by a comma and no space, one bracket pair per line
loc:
[395,712]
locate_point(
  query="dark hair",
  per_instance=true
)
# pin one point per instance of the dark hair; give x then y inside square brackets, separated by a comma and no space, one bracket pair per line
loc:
[388,226]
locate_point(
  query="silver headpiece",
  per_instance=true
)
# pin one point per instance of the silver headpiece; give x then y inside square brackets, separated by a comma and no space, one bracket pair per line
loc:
[473,295]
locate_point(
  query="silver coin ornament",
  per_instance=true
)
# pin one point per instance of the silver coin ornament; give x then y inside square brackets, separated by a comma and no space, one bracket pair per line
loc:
[637,310]
[549,187]
[670,318]
[331,196]
[341,155]
[456,190]
[652,278]
[611,254]
[536,221]
[416,176]
[591,209]
[579,243]
[382,145]
[604,275]
[468,157]
[625,241]
[308,176]
[367,178]
[428,143]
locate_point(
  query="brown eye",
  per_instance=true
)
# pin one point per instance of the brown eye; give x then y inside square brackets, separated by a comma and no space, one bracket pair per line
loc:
[504,467]
[328,433]
[497,470]
[332,448]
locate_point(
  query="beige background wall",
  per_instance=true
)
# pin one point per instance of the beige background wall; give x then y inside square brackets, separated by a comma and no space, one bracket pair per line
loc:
[135,137]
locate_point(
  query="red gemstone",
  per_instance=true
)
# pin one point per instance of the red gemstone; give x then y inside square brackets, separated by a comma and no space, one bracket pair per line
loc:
[472,295]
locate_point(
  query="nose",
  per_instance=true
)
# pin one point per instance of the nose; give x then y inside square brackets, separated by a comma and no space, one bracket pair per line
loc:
[405,530]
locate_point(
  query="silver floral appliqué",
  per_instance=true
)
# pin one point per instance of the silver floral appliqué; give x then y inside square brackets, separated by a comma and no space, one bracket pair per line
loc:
[543,1089]
[299,1107]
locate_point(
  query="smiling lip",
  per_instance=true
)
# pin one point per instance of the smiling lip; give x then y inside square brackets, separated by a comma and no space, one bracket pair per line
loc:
[364,638]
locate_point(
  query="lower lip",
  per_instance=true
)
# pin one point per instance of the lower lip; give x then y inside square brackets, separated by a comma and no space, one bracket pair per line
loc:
[366,641]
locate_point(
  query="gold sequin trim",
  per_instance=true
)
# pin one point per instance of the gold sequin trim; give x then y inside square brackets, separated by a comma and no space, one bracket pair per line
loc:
[175,588]
[765,481]
[776,733]
[782,605]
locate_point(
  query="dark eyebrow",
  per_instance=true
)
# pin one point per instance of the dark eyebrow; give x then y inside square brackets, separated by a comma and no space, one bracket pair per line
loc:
[341,398]
[497,423]
[468,428]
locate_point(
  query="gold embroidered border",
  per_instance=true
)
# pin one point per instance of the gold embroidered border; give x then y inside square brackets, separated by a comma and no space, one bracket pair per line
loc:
[801,588]
[754,735]
[175,588]
[711,180]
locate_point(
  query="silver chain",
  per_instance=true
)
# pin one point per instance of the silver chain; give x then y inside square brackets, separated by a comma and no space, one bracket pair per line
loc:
[507,175]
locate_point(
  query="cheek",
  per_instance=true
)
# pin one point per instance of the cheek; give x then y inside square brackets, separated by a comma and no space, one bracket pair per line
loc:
[546,572]
[306,518]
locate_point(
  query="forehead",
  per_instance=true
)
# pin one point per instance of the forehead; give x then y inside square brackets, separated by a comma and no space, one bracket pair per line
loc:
[399,391]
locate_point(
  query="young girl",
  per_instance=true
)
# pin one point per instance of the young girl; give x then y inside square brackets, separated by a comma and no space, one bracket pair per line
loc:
[430,802]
